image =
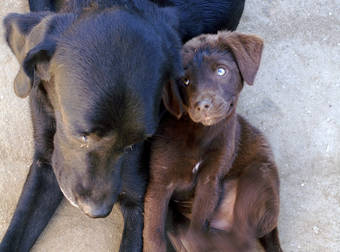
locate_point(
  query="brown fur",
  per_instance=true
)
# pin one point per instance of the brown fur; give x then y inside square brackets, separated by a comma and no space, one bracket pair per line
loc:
[219,173]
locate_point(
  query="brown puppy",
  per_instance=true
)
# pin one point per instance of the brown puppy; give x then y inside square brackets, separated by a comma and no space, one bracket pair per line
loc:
[216,168]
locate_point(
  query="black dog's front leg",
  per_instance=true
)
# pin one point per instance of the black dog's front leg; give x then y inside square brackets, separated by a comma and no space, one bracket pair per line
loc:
[38,201]
[134,179]
[132,240]
[41,195]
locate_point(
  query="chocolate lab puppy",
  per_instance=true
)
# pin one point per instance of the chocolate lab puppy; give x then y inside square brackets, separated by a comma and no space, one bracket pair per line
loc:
[215,167]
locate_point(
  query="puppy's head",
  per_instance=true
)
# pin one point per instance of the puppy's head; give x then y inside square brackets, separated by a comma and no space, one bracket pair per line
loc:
[215,68]
[102,74]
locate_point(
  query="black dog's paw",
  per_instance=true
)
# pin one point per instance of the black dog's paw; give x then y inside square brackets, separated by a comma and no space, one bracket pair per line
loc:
[4,247]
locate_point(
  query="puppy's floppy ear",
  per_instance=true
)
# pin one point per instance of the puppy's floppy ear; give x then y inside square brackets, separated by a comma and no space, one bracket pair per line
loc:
[247,50]
[172,99]
[171,94]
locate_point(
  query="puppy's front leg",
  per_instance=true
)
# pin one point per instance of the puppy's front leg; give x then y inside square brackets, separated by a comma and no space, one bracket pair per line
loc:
[206,198]
[155,212]
[39,199]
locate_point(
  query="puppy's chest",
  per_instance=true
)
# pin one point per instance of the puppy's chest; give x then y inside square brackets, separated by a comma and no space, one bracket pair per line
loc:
[188,154]
[186,171]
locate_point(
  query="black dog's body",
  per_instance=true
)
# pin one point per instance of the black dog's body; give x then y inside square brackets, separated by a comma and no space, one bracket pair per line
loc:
[91,106]
[195,16]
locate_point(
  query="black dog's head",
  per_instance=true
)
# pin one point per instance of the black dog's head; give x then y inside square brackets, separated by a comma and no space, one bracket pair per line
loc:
[103,73]
[215,68]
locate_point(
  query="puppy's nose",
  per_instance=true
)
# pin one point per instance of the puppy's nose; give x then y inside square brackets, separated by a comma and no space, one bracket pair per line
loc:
[203,105]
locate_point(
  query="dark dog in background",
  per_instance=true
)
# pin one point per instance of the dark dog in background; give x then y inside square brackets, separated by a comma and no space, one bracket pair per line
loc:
[209,161]
[94,73]
[195,16]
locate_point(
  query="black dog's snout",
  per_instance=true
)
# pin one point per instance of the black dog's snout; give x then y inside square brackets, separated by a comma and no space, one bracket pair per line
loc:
[93,202]
[203,105]
[96,211]
[95,208]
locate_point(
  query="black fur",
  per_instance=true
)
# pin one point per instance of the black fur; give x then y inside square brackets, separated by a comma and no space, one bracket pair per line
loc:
[196,16]
[94,74]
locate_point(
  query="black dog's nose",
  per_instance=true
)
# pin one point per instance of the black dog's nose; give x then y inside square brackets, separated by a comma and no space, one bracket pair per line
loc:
[96,211]
[203,105]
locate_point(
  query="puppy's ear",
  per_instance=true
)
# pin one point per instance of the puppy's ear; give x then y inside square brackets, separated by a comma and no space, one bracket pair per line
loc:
[172,99]
[247,50]
[171,95]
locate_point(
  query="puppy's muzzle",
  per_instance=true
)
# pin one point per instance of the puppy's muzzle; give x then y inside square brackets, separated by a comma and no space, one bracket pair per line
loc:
[209,110]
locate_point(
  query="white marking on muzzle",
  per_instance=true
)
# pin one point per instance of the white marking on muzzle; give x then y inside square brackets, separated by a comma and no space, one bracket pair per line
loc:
[72,202]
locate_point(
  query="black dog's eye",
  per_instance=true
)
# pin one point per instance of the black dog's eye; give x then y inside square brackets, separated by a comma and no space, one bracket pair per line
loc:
[84,141]
[186,81]
[84,138]
[221,71]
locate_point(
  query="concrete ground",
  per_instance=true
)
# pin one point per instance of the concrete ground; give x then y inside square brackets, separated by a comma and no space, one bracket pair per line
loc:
[295,101]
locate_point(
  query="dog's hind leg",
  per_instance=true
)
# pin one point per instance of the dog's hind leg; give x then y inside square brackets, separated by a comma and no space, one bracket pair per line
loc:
[257,204]
[270,241]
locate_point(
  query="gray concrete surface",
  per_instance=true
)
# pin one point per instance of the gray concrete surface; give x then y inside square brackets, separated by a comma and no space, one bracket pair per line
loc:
[295,101]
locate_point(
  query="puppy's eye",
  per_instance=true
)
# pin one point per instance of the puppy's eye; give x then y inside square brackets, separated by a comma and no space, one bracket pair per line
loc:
[186,81]
[128,148]
[221,71]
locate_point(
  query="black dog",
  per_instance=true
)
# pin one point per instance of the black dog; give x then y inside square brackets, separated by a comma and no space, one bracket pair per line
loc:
[94,74]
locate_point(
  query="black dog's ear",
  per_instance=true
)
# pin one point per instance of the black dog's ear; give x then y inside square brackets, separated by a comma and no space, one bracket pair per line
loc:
[247,50]
[32,39]
[36,61]
[34,68]
[17,30]
[172,99]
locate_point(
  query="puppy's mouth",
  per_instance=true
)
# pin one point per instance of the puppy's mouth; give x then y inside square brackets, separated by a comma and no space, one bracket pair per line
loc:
[209,121]
[213,117]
